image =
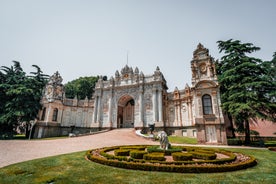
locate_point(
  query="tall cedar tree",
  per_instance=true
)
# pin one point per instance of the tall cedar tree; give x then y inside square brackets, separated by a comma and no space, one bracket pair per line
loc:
[20,97]
[245,86]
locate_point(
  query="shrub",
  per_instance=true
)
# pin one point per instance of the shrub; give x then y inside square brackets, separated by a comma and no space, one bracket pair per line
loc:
[121,152]
[272,148]
[154,156]
[174,168]
[208,151]
[204,156]
[156,161]
[134,147]
[157,149]
[234,141]
[270,143]
[137,154]
[178,156]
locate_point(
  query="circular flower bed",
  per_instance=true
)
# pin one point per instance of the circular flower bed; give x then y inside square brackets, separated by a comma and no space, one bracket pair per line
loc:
[181,159]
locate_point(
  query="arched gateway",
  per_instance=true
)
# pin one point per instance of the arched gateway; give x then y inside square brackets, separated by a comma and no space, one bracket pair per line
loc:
[125,113]
[131,99]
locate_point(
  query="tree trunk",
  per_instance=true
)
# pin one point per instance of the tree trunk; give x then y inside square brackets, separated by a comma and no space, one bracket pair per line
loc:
[231,125]
[247,132]
[27,131]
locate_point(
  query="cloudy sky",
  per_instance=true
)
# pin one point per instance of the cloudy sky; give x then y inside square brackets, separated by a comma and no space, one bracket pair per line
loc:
[92,37]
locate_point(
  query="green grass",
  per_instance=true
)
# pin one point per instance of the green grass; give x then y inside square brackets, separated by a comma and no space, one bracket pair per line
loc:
[19,136]
[182,140]
[74,168]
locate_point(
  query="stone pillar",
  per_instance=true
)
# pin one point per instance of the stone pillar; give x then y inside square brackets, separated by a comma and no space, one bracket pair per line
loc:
[190,113]
[95,109]
[48,115]
[179,114]
[175,114]
[141,107]
[110,111]
[99,110]
[154,109]
[160,106]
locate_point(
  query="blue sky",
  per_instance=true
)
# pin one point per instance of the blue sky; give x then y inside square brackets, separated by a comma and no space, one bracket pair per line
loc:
[92,37]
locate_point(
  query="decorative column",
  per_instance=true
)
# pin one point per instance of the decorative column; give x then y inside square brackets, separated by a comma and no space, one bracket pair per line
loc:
[141,107]
[110,110]
[190,112]
[179,114]
[95,109]
[175,114]
[160,105]
[48,115]
[99,110]
[154,110]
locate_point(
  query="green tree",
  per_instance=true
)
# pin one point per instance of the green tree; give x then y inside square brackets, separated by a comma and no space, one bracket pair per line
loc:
[20,97]
[243,82]
[270,69]
[81,88]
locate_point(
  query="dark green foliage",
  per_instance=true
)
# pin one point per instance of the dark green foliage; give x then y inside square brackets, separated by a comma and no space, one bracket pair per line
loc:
[244,85]
[178,156]
[203,155]
[272,148]
[137,154]
[157,149]
[141,148]
[234,141]
[156,162]
[154,156]
[81,88]
[20,96]
[270,143]
[269,90]
[121,152]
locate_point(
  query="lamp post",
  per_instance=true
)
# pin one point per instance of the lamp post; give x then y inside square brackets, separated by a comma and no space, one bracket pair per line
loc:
[151,127]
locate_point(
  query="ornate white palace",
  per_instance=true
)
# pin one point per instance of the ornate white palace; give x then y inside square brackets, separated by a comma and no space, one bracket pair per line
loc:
[131,99]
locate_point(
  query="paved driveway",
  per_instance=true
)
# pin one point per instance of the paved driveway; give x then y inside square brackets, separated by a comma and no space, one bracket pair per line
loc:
[15,151]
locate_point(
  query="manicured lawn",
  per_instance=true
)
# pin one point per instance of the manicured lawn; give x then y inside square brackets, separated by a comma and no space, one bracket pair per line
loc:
[182,140]
[73,168]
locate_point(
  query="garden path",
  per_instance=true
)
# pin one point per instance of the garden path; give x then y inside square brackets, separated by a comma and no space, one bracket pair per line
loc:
[15,151]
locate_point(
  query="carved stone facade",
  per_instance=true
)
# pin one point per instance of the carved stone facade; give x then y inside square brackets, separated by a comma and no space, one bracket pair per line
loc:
[131,99]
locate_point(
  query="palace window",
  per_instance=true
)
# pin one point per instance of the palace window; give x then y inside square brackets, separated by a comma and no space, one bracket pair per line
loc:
[55,114]
[43,114]
[207,104]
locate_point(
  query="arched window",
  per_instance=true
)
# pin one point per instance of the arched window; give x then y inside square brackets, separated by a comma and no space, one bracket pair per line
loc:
[207,104]
[55,114]
[43,114]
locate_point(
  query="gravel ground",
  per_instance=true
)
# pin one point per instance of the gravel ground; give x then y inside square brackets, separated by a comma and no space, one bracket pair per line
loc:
[15,151]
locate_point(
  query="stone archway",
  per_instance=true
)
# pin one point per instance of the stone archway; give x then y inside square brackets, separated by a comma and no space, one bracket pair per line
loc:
[125,114]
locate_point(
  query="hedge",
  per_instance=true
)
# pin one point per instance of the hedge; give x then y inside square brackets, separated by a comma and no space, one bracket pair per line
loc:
[139,147]
[121,152]
[137,154]
[175,168]
[272,148]
[154,156]
[202,155]
[209,166]
[153,149]
[178,156]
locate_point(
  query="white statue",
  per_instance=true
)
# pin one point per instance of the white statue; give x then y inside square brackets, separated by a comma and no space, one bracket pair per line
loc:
[164,141]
